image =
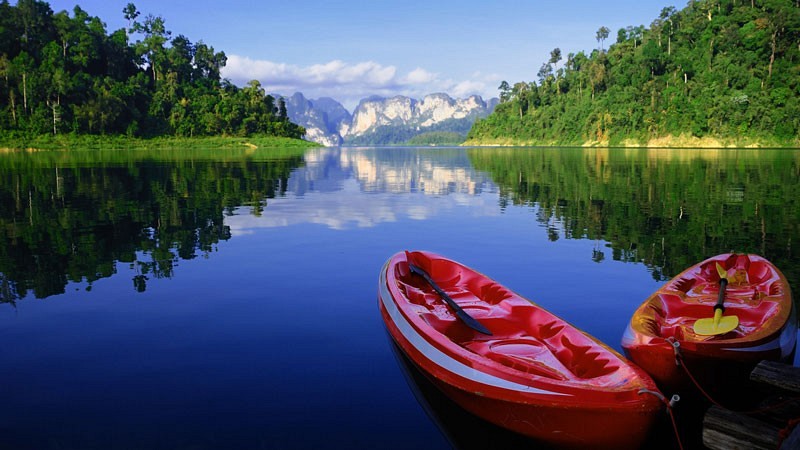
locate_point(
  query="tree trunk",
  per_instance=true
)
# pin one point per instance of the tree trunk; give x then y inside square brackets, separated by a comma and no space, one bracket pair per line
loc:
[772,56]
[13,99]
[710,55]
[56,115]
[24,93]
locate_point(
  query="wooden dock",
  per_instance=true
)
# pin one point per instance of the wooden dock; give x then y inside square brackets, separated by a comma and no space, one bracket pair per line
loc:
[773,426]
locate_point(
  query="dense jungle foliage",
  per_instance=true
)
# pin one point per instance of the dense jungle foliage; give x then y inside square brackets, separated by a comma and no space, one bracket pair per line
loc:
[437,138]
[66,74]
[727,70]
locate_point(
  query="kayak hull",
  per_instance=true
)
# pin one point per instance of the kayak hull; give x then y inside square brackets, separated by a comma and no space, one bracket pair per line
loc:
[757,293]
[513,378]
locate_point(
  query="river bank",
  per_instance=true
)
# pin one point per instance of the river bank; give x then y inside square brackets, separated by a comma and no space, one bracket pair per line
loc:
[668,141]
[69,141]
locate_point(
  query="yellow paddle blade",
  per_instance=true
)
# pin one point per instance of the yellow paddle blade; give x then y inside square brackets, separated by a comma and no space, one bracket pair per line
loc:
[721,271]
[719,324]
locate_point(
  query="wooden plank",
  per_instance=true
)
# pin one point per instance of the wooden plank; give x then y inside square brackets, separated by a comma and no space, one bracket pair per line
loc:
[726,430]
[776,374]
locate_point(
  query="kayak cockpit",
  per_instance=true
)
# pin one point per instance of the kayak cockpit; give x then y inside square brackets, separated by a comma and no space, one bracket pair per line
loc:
[525,339]
[754,294]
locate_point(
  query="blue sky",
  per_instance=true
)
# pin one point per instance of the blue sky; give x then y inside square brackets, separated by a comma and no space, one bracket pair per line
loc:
[350,50]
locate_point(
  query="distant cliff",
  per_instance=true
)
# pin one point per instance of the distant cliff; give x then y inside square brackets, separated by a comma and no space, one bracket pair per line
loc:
[384,121]
[322,118]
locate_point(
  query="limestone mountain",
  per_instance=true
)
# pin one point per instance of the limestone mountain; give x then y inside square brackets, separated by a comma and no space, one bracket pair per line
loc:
[385,121]
[322,118]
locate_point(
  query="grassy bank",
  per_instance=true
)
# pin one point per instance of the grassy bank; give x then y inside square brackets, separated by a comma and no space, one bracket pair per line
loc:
[83,142]
[669,141]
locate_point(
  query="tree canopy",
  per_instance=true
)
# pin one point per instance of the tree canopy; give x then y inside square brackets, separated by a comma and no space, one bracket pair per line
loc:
[721,69]
[62,73]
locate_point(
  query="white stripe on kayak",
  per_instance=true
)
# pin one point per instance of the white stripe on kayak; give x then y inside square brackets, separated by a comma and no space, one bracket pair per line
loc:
[442,359]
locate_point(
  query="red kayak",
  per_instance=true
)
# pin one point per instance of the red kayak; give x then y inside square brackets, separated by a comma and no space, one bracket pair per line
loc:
[535,374]
[756,298]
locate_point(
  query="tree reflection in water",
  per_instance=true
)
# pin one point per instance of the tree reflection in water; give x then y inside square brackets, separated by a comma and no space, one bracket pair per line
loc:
[73,216]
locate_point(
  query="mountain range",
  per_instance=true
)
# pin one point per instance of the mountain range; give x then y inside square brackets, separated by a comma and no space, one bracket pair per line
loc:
[385,121]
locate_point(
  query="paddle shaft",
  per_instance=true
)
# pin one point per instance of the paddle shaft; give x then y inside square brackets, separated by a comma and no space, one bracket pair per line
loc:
[717,324]
[723,283]
[460,313]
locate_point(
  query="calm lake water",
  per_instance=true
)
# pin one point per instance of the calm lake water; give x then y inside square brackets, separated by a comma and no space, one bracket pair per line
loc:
[221,299]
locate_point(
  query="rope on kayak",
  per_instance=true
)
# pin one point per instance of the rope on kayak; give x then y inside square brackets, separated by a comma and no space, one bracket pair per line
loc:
[669,404]
[784,433]
[679,361]
[676,346]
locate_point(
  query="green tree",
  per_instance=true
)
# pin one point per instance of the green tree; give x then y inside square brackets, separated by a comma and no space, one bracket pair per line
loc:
[505,91]
[555,57]
[719,70]
[152,46]
[62,73]
[666,16]
[130,13]
[602,35]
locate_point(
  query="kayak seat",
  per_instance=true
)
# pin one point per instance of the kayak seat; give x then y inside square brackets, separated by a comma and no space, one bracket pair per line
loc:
[524,354]
[413,294]
[434,311]
[533,341]
[755,279]
[564,359]
[488,291]
[671,315]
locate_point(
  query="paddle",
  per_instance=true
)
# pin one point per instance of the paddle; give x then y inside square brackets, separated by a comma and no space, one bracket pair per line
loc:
[719,324]
[460,313]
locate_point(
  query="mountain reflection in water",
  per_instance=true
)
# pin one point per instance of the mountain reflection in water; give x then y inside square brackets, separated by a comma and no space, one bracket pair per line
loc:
[73,216]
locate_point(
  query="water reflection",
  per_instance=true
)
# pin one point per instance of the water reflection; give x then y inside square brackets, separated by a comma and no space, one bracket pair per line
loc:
[666,208]
[392,170]
[72,217]
[462,429]
[343,188]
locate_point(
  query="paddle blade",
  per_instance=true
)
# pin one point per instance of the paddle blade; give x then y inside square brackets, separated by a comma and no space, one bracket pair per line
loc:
[721,272]
[472,322]
[718,324]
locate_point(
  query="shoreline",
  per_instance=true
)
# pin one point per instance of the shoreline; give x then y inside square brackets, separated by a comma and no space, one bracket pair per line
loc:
[99,142]
[669,141]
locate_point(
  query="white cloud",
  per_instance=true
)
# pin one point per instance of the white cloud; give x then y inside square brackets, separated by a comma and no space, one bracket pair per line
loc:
[419,76]
[467,87]
[348,83]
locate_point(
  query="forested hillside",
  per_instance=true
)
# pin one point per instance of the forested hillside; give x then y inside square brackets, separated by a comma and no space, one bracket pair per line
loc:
[63,73]
[719,71]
